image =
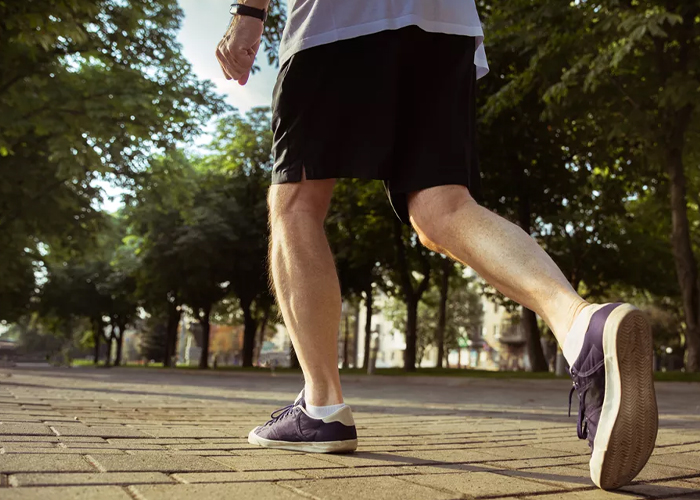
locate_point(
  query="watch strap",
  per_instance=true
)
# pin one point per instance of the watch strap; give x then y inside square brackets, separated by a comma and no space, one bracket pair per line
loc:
[238,9]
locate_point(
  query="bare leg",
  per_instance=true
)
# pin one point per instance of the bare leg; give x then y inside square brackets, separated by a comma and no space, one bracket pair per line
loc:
[448,220]
[306,283]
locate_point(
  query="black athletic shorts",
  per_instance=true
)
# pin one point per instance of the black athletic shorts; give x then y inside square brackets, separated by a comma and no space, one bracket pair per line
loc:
[398,106]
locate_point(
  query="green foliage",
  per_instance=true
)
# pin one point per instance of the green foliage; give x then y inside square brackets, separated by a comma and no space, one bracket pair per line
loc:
[359,227]
[274,26]
[88,91]
[587,108]
[606,93]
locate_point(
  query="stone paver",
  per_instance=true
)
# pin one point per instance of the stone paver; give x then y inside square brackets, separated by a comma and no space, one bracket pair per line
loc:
[148,435]
[237,477]
[156,462]
[378,488]
[104,432]
[10,429]
[274,462]
[43,463]
[584,495]
[483,484]
[97,478]
[69,493]
[258,491]
[663,489]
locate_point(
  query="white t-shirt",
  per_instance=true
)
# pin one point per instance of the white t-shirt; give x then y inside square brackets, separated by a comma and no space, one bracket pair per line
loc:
[318,22]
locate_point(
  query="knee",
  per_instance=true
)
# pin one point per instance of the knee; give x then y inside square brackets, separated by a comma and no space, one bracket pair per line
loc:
[433,212]
[288,203]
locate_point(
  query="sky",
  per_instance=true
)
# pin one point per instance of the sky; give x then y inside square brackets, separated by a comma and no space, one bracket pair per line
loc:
[204,24]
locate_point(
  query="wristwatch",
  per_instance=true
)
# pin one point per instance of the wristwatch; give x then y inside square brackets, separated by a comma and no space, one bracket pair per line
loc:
[238,9]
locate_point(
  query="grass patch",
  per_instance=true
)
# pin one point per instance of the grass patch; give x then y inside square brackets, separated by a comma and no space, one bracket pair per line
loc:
[82,362]
[399,372]
[676,377]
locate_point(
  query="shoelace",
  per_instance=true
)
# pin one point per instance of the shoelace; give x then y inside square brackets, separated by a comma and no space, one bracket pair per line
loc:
[278,415]
[582,424]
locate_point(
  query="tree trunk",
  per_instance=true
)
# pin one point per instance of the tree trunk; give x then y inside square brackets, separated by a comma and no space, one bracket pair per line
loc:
[260,338]
[206,327]
[447,267]
[346,342]
[249,329]
[686,266]
[411,296]
[538,362]
[174,315]
[369,303]
[110,343]
[411,334]
[529,319]
[356,335]
[97,336]
[120,345]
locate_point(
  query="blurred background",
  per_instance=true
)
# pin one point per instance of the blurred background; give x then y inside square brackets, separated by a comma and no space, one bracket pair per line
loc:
[133,184]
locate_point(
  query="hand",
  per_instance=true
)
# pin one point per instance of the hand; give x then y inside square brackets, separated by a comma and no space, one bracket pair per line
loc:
[237,50]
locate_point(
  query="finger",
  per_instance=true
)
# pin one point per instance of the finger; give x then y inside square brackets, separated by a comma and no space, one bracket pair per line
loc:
[235,68]
[244,79]
[222,62]
[230,64]
[221,65]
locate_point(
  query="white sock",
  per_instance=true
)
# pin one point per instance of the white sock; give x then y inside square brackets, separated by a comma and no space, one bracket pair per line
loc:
[574,339]
[322,411]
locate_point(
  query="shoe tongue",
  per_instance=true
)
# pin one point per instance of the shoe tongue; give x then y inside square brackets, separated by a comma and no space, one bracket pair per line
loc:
[300,401]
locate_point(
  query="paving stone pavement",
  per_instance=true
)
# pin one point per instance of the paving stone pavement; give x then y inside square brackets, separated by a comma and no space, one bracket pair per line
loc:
[127,433]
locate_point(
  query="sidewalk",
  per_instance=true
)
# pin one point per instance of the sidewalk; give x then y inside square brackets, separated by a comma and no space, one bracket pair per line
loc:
[150,434]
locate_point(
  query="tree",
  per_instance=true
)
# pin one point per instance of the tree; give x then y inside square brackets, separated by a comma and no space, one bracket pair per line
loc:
[446,269]
[463,314]
[82,290]
[410,254]
[358,227]
[607,139]
[88,91]
[119,288]
[202,249]
[635,66]
[156,210]
[242,159]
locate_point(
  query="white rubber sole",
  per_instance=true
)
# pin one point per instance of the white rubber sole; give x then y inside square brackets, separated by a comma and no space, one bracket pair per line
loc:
[347,446]
[629,418]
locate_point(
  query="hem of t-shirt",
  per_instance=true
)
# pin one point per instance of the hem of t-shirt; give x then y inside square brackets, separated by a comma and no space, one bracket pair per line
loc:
[390,24]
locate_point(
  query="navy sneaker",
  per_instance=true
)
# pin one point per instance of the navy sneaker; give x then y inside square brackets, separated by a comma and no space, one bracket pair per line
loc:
[291,428]
[617,403]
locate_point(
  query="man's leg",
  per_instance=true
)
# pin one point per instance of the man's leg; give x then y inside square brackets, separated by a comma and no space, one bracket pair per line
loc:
[306,283]
[449,221]
[609,347]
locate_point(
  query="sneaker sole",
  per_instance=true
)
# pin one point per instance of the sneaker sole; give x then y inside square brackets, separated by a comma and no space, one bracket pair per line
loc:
[347,446]
[629,418]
